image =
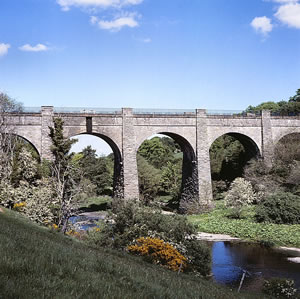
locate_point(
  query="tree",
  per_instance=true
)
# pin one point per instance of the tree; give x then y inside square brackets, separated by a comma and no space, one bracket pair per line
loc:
[295,98]
[239,195]
[292,106]
[273,106]
[7,136]
[155,152]
[64,173]
[149,179]
[98,170]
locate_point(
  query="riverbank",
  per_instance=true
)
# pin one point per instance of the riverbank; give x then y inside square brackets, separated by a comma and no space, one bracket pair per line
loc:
[36,262]
[218,222]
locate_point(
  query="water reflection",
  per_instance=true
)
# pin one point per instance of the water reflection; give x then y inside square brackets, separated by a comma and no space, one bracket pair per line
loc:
[231,258]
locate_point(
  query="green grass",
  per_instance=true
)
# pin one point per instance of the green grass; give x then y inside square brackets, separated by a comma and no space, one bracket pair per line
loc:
[97,202]
[36,262]
[217,221]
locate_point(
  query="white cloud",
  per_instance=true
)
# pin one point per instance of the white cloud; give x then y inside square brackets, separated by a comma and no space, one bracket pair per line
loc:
[37,48]
[67,4]
[262,25]
[146,40]
[4,49]
[116,24]
[285,1]
[289,14]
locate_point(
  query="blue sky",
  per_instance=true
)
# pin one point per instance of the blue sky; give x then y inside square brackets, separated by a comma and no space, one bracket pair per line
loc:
[213,54]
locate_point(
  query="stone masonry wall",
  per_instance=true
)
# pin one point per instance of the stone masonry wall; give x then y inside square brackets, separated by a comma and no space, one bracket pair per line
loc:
[125,132]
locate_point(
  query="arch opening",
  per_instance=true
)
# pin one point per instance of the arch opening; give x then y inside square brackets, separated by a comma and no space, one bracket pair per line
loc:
[287,149]
[229,154]
[17,157]
[169,162]
[101,162]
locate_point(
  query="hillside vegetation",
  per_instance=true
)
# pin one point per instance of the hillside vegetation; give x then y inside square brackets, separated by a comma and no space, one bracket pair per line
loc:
[36,262]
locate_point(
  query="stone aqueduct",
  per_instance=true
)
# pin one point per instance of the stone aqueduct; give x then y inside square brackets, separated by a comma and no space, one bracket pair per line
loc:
[124,130]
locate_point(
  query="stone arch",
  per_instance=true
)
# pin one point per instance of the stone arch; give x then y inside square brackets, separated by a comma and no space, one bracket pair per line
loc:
[118,180]
[248,142]
[189,185]
[229,169]
[285,132]
[31,143]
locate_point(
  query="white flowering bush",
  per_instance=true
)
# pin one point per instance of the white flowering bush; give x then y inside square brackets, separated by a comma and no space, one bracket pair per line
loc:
[280,288]
[42,204]
[239,195]
[38,202]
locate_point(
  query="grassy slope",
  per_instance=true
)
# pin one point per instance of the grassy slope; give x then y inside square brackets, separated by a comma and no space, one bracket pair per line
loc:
[38,263]
[217,222]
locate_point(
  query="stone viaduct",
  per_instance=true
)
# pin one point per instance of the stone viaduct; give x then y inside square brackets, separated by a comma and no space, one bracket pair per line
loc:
[125,129]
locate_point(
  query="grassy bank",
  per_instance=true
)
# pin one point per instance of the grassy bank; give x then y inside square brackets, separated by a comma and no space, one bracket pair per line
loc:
[217,221]
[38,263]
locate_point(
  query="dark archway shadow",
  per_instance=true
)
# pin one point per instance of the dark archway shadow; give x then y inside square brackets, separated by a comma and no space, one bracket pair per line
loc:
[189,182]
[229,158]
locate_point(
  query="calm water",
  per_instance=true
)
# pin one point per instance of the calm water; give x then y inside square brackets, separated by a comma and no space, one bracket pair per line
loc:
[231,258]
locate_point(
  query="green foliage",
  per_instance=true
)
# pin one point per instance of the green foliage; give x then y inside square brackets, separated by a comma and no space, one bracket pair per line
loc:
[50,265]
[149,179]
[98,170]
[279,208]
[160,168]
[219,189]
[156,152]
[284,175]
[272,106]
[131,221]
[292,106]
[227,159]
[247,228]
[171,177]
[64,172]
[61,146]
[280,288]
[25,167]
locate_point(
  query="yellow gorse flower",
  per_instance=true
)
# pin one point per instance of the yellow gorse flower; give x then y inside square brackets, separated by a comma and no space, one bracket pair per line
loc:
[160,252]
[19,205]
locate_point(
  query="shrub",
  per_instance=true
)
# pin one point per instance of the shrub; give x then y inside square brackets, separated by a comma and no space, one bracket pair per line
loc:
[239,195]
[131,222]
[280,288]
[219,189]
[279,208]
[159,252]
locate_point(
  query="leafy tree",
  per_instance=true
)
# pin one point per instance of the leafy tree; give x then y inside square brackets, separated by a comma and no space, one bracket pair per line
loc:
[155,152]
[98,170]
[149,179]
[63,172]
[272,106]
[295,98]
[228,157]
[171,177]
[160,167]
[280,208]
[7,136]
[292,106]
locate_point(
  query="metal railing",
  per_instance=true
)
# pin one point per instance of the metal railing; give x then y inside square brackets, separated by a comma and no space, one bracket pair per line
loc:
[85,110]
[151,111]
[163,111]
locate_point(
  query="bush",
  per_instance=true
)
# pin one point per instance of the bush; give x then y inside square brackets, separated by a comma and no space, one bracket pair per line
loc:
[280,288]
[131,222]
[279,208]
[239,195]
[159,252]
